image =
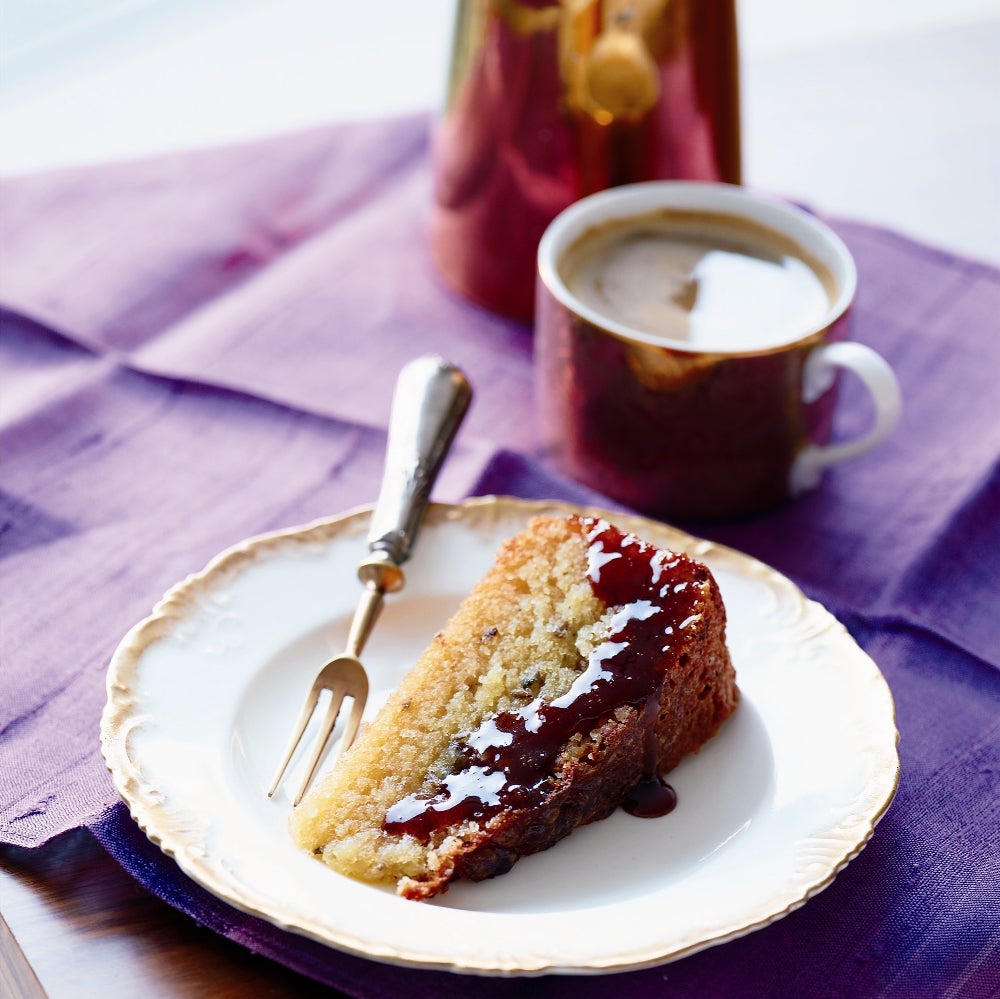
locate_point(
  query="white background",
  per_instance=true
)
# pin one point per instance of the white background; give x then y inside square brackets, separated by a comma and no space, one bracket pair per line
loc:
[882,110]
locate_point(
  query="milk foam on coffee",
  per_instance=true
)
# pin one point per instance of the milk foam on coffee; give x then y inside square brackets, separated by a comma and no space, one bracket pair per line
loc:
[712,281]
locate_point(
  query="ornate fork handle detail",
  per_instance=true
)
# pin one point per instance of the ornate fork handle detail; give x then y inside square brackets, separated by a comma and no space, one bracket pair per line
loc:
[431,399]
[430,402]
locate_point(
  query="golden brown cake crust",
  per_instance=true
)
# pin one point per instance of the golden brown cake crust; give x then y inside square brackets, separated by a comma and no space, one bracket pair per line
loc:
[537,604]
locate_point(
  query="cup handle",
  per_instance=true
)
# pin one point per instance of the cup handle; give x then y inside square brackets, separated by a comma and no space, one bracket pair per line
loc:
[820,370]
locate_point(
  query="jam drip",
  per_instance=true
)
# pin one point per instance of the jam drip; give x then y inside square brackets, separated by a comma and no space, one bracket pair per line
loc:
[650,798]
[509,760]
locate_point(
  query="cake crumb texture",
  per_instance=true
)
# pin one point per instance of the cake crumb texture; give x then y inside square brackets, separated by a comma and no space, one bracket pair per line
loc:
[522,637]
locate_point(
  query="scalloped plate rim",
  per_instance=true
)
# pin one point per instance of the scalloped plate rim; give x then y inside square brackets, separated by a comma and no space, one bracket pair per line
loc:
[143,801]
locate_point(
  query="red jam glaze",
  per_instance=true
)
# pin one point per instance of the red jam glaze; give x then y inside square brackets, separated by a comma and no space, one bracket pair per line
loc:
[509,760]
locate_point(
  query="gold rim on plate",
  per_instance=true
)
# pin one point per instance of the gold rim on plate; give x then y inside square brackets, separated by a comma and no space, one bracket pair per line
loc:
[190,782]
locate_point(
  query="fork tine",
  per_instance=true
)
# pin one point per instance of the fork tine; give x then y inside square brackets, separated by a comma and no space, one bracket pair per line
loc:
[353,723]
[329,720]
[300,726]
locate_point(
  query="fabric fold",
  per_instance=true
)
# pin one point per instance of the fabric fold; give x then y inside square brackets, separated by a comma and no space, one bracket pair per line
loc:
[117,254]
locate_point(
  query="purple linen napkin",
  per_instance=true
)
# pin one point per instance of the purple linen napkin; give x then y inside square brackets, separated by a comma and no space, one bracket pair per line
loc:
[200,348]
[295,269]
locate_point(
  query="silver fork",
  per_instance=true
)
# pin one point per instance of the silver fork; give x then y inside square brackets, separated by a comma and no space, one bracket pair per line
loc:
[429,403]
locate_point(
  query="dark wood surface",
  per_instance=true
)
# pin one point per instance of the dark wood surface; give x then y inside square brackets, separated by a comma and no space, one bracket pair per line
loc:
[74,924]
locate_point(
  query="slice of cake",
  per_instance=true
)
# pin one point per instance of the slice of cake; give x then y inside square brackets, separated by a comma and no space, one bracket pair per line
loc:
[584,665]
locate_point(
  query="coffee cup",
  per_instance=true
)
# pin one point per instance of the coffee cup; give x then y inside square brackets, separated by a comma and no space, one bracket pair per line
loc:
[689,341]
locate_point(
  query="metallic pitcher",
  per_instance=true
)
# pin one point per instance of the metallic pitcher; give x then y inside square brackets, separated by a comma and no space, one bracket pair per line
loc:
[550,101]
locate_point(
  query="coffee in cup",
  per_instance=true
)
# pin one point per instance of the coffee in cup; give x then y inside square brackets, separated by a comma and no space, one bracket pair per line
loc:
[691,276]
[687,345]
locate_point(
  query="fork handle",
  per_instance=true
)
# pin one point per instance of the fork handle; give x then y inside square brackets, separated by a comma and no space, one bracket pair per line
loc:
[430,401]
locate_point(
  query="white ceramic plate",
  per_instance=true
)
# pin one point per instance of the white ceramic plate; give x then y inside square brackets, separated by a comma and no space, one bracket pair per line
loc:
[202,694]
